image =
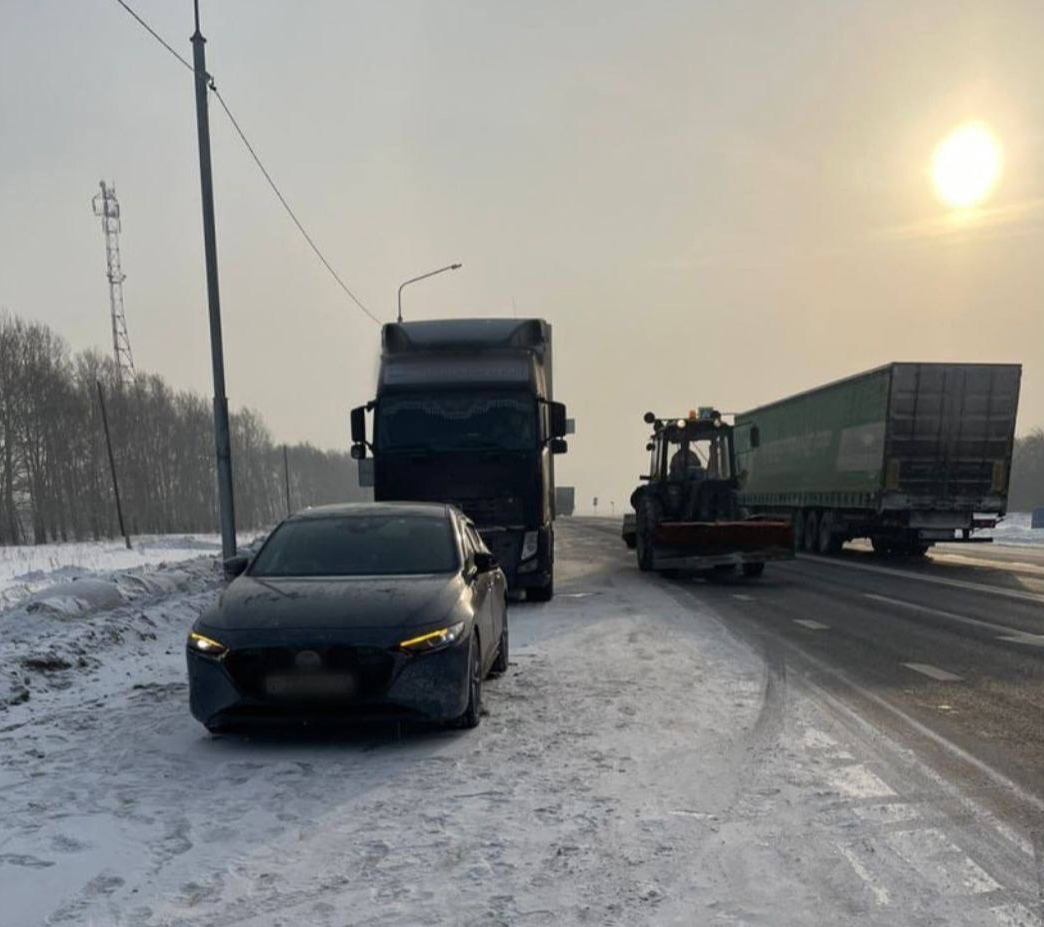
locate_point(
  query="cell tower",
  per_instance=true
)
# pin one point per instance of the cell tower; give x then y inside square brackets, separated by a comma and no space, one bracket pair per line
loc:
[107,206]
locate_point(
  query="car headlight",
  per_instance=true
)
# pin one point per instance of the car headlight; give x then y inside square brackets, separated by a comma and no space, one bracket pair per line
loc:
[207,646]
[433,640]
[529,545]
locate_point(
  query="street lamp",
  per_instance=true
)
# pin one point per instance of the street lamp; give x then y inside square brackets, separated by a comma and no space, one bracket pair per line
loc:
[406,283]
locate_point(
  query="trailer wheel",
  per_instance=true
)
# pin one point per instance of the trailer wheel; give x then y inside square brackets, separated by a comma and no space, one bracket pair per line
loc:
[797,519]
[753,569]
[811,532]
[828,541]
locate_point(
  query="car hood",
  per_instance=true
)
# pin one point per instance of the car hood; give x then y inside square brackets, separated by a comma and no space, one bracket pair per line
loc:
[334,602]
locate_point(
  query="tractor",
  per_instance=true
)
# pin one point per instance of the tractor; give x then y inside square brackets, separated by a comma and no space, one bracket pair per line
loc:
[687,518]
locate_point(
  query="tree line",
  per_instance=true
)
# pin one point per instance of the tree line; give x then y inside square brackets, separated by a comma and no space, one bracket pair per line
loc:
[55,483]
[1027,473]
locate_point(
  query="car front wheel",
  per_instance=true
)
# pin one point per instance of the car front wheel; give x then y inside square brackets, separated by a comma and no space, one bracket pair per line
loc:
[473,712]
[500,664]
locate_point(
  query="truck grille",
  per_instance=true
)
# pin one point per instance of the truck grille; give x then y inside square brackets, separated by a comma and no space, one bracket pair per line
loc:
[503,510]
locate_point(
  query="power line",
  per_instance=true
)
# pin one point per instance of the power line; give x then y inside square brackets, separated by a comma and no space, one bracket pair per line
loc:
[257,160]
[156,35]
[286,205]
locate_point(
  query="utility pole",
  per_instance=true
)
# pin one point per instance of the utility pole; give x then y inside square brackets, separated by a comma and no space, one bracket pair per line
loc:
[286,474]
[222,436]
[107,207]
[112,464]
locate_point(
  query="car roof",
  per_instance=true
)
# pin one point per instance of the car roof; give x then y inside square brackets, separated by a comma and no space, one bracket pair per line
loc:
[363,509]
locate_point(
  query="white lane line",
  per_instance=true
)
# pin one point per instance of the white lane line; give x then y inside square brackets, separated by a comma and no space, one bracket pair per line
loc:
[933,672]
[941,862]
[811,625]
[856,781]
[1002,631]
[880,893]
[921,577]
[743,598]
[1014,915]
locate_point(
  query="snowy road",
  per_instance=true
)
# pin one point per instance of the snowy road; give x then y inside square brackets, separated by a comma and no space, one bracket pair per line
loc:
[650,758]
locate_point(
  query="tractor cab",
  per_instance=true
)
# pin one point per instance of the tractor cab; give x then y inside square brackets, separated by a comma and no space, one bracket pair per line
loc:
[693,465]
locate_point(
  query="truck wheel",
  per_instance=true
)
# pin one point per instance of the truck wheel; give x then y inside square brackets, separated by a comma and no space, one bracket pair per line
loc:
[811,532]
[753,569]
[881,546]
[631,541]
[543,593]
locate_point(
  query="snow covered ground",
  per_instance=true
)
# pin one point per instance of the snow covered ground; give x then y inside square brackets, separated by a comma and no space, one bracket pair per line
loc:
[1015,530]
[638,765]
[27,569]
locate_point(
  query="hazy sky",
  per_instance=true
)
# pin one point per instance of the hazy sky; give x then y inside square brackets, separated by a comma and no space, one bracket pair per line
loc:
[713,203]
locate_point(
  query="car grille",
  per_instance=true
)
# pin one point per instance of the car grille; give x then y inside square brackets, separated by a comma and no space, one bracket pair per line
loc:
[371,667]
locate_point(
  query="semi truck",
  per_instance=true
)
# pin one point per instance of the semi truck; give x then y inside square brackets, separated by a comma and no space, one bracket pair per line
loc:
[906,454]
[465,414]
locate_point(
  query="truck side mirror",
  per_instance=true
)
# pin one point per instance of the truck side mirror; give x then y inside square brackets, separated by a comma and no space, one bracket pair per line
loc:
[358,420]
[558,445]
[755,436]
[358,452]
[558,419]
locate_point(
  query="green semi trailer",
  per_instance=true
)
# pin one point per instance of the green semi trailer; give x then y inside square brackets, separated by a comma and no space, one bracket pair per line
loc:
[906,455]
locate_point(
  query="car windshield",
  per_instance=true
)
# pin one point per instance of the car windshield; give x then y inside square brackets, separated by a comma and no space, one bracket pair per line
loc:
[457,422]
[377,545]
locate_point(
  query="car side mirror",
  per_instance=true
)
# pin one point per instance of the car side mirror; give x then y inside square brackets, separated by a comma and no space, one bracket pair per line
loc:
[484,562]
[558,419]
[559,445]
[235,566]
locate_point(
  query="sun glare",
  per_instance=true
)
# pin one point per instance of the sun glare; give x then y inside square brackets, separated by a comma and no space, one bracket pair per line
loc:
[966,165]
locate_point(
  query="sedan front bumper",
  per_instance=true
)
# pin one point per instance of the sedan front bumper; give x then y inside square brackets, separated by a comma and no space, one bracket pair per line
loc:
[386,683]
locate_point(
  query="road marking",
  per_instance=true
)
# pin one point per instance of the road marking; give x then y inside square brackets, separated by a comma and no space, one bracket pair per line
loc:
[879,892]
[811,625]
[933,671]
[1006,633]
[742,597]
[1014,915]
[941,862]
[921,577]
[856,781]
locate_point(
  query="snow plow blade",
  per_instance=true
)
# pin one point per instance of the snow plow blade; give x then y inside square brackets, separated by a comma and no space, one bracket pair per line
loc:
[697,545]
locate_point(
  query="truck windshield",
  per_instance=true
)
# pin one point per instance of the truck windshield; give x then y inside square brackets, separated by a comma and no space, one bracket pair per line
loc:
[457,422]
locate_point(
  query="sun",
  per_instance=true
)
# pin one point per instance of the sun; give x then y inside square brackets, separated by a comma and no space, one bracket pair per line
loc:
[966,165]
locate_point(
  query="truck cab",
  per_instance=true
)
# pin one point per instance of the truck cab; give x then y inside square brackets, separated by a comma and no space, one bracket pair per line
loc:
[464,414]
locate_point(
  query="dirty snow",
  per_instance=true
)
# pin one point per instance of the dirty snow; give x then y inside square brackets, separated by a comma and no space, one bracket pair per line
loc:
[638,765]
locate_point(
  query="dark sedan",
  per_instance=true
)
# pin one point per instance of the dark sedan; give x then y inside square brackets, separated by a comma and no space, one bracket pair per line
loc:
[369,611]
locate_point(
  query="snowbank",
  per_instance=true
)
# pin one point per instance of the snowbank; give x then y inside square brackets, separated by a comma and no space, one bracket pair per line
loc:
[1016,530]
[25,570]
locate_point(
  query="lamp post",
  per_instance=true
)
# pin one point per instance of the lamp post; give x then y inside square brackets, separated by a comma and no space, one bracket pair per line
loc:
[432,273]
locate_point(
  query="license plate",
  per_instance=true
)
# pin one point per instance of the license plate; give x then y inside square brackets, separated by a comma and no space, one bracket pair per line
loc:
[309,685]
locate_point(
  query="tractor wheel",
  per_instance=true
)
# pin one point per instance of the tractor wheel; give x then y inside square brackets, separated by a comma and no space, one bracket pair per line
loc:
[650,512]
